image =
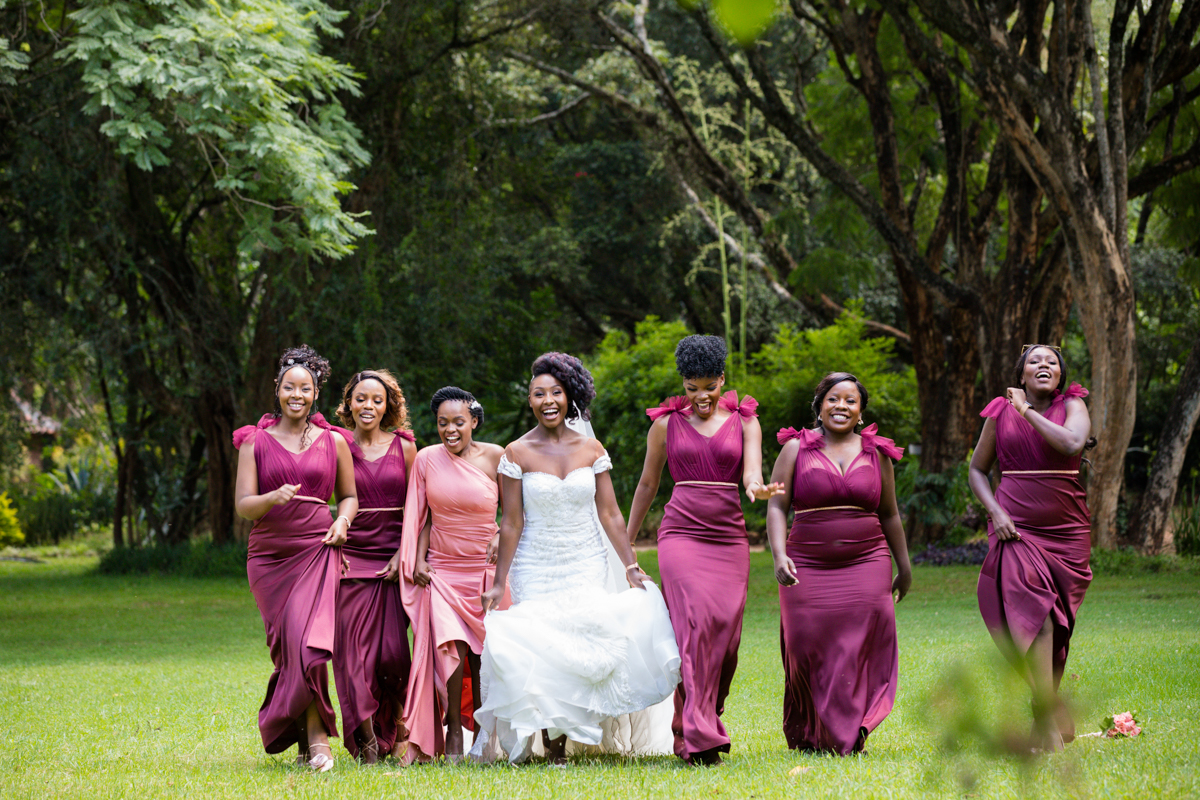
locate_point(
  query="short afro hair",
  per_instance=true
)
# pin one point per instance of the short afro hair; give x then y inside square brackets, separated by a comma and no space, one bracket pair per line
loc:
[574,377]
[700,357]
[396,413]
[455,393]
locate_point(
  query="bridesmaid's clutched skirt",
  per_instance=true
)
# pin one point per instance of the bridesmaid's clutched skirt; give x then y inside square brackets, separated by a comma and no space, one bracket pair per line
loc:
[1046,572]
[837,632]
[371,662]
[294,578]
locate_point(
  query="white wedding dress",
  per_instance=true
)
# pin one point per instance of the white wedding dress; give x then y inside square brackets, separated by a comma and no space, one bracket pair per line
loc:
[570,656]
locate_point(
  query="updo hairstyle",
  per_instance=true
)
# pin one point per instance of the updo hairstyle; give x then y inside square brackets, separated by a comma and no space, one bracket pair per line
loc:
[573,376]
[455,393]
[700,356]
[302,356]
[827,383]
[395,415]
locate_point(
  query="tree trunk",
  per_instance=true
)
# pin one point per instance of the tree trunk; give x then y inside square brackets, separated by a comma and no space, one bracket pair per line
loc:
[1104,292]
[1154,511]
[215,412]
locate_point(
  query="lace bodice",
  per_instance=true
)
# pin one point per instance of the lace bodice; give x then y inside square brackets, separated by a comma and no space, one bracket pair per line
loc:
[561,549]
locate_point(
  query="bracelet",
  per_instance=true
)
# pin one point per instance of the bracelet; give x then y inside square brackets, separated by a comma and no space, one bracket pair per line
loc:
[634,565]
[343,516]
[1025,410]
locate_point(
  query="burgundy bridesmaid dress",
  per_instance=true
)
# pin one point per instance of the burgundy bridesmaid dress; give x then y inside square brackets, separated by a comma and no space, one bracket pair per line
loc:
[1046,572]
[704,560]
[294,578]
[370,655]
[838,625]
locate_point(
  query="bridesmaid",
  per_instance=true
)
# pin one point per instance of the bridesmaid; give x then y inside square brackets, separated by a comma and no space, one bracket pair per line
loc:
[286,474]
[370,655]
[1039,532]
[709,441]
[446,561]
[838,636]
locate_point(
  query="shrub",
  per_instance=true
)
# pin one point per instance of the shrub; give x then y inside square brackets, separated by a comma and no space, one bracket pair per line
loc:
[10,527]
[1187,523]
[941,499]
[200,559]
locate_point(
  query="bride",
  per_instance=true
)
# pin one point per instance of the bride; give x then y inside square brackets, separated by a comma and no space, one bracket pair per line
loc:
[568,655]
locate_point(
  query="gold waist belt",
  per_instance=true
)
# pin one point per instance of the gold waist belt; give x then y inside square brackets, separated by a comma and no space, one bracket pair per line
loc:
[828,508]
[705,483]
[1041,472]
[364,510]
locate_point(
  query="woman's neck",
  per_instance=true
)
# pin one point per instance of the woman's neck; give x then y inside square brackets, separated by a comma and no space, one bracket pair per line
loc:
[289,425]
[371,438]
[1039,400]
[832,437]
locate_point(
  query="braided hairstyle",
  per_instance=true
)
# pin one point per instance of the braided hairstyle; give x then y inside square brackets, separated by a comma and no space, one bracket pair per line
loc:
[827,383]
[395,415]
[316,365]
[455,393]
[573,376]
[700,356]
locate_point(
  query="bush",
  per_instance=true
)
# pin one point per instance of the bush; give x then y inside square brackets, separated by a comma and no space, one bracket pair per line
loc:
[944,500]
[1187,523]
[1127,561]
[201,559]
[10,527]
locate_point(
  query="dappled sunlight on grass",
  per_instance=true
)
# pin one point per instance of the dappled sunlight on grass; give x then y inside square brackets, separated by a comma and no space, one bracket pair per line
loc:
[150,686]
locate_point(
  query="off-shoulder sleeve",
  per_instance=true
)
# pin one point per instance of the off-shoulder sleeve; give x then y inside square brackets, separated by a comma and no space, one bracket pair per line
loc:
[670,406]
[1075,390]
[602,464]
[809,439]
[409,435]
[318,419]
[747,408]
[242,434]
[348,435]
[994,408]
[508,468]
[871,440]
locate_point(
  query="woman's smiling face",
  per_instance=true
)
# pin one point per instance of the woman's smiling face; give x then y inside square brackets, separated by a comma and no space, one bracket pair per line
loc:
[841,408]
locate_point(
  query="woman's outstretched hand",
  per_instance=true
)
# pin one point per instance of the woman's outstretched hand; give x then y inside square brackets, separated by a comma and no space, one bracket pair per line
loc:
[757,491]
[491,598]
[284,493]
[901,584]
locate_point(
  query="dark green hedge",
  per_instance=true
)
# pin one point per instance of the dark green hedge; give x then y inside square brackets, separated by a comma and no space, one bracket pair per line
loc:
[192,560]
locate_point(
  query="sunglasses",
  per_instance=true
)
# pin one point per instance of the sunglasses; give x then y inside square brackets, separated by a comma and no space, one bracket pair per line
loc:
[1057,350]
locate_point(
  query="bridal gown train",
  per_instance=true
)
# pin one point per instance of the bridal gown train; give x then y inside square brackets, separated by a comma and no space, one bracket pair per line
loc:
[569,655]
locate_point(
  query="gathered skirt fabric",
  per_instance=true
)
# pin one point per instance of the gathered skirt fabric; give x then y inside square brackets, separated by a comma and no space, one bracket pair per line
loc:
[838,631]
[371,661]
[1044,574]
[294,578]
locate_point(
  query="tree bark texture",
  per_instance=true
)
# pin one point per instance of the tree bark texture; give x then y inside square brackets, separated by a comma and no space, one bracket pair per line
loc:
[1149,525]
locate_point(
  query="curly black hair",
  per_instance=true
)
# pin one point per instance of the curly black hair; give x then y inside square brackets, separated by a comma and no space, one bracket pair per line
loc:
[699,356]
[574,377]
[827,383]
[396,413]
[455,393]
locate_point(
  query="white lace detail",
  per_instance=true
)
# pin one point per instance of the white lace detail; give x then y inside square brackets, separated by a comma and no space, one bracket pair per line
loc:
[603,464]
[508,468]
[560,547]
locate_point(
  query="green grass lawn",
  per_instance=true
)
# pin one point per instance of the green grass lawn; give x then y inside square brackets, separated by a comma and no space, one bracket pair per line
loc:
[122,686]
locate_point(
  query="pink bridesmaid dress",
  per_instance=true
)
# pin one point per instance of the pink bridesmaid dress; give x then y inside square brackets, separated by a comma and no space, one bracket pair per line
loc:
[294,578]
[370,656]
[1047,571]
[704,560]
[838,625]
[463,501]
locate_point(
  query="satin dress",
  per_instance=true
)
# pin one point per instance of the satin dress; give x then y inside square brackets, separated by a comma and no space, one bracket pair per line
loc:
[704,559]
[1046,572]
[838,623]
[294,578]
[371,661]
[463,501]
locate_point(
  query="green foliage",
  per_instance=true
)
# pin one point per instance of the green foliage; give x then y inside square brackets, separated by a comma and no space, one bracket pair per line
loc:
[633,374]
[243,82]
[10,526]
[1187,522]
[785,372]
[940,499]
[198,559]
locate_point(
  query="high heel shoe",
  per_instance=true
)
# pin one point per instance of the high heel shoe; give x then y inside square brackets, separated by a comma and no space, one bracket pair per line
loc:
[321,762]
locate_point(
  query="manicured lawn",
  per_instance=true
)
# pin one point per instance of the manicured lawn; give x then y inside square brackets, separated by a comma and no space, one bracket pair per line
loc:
[134,687]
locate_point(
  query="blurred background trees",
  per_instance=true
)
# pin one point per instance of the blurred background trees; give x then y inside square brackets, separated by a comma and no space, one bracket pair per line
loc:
[448,188]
